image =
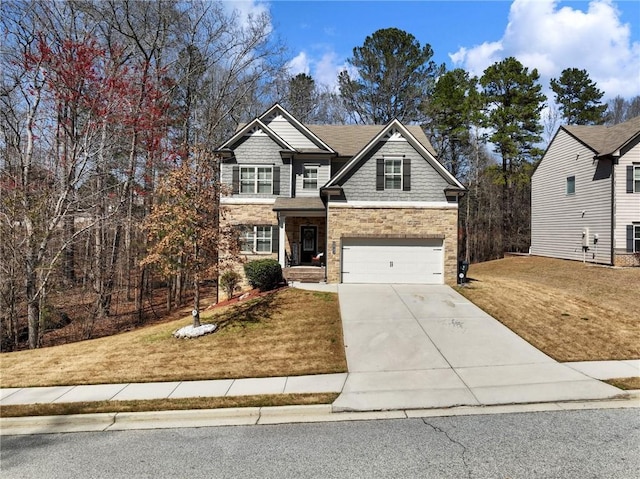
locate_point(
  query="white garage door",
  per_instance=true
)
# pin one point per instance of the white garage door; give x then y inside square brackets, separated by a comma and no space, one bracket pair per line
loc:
[385,260]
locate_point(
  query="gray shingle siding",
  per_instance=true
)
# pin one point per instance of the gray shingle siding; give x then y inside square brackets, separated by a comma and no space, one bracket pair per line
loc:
[258,150]
[298,170]
[426,183]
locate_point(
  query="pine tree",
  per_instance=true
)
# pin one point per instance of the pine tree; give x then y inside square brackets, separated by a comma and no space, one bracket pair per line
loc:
[395,74]
[579,98]
[514,100]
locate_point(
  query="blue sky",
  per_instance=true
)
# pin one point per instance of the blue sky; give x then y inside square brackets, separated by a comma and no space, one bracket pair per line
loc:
[602,36]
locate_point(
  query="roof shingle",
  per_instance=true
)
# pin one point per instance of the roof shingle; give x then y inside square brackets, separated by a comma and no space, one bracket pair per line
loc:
[348,140]
[605,140]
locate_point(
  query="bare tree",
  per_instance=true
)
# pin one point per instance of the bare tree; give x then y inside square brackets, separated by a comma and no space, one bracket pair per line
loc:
[620,110]
[42,170]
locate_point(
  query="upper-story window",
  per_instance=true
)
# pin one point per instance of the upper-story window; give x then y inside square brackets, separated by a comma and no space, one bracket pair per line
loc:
[310,178]
[636,179]
[256,179]
[393,174]
[571,185]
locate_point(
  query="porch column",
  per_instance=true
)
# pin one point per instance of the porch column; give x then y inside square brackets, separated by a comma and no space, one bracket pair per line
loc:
[281,239]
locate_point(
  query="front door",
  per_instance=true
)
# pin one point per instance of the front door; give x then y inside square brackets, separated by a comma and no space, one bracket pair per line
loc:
[309,240]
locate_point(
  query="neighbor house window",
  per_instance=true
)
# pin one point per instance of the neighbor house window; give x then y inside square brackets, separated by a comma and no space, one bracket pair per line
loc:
[310,178]
[255,239]
[571,185]
[636,179]
[392,174]
[256,179]
[636,239]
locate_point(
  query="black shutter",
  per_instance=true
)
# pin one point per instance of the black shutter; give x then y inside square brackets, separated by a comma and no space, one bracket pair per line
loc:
[380,174]
[630,179]
[276,180]
[629,238]
[275,238]
[406,174]
[235,181]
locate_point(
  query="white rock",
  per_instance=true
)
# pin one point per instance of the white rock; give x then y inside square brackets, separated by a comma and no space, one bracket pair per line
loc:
[191,332]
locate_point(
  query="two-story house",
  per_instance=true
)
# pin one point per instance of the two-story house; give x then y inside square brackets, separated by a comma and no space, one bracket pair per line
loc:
[585,195]
[369,202]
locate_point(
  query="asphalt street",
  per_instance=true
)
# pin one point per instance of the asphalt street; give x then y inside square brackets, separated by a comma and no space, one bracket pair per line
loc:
[586,444]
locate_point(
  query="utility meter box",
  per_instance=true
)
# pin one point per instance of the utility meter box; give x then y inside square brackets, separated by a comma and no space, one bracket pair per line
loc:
[585,237]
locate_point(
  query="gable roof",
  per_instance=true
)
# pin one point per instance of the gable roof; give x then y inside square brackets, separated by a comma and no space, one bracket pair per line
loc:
[606,140]
[277,109]
[256,123]
[344,140]
[348,140]
[420,148]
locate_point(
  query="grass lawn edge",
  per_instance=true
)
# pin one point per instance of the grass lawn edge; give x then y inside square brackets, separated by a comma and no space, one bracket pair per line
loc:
[181,404]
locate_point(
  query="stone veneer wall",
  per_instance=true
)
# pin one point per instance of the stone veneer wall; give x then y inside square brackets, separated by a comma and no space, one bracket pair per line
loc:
[397,223]
[256,214]
[260,214]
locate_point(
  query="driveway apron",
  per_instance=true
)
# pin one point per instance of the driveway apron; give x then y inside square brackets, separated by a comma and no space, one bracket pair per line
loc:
[426,346]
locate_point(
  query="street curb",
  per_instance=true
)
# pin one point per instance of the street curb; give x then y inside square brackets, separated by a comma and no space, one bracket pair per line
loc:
[55,424]
[273,415]
[187,418]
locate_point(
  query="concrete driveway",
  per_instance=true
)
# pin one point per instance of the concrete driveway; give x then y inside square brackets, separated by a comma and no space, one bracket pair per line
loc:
[422,346]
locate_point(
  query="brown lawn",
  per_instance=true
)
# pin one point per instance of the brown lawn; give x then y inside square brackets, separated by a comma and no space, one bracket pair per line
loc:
[290,332]
[570,310]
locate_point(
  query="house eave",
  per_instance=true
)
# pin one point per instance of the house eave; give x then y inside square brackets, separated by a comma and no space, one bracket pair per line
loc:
[455,191]
[300,206]
[331,191]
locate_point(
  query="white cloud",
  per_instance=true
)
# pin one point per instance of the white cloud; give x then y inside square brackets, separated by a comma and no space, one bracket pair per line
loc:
[245,8]
[299,64]
[543,35]
[323,67]
[327,68]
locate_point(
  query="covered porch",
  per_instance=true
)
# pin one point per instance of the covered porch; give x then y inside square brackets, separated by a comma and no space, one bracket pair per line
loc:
[302,233]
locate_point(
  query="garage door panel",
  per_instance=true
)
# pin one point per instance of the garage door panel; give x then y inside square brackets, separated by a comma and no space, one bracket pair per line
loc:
[391,260]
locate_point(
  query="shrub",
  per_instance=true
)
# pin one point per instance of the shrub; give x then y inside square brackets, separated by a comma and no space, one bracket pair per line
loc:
[229,282]
[264,274]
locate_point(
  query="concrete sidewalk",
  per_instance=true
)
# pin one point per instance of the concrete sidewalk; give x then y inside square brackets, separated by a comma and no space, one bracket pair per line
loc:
[321,383]
[418,346]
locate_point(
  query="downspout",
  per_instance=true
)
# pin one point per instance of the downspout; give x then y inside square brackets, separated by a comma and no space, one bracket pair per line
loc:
[613,211]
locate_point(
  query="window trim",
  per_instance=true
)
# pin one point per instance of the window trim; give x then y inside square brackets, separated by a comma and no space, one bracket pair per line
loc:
[393,175]
[304,178]
[573,182]
[249,235]
[256,179]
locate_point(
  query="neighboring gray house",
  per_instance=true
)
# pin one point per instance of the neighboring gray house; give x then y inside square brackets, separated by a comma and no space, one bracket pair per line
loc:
[585,195]
[372,200]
